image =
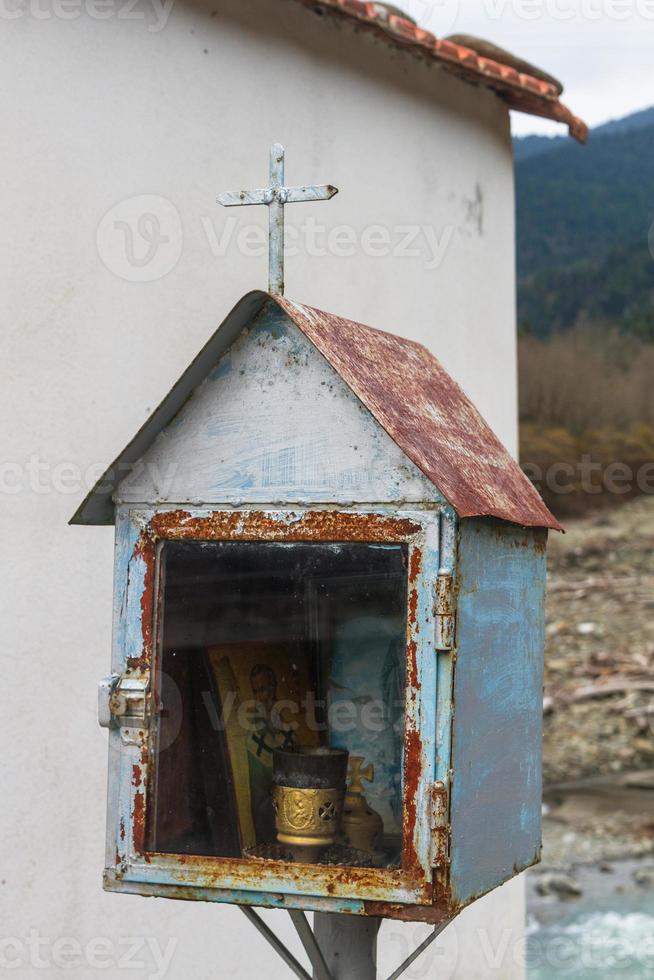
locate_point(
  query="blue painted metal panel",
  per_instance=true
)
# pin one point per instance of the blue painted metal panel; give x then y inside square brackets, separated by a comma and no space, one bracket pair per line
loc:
[497,733]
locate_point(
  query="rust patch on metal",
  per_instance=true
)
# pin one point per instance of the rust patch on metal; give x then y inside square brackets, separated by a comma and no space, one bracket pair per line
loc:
[412,773]
[415,564]
[441,827]
[138,821]
[379,909]
[211,873]
[540,543]
[413,608]
[442,885]
[413,677]
[432,914]
[137,777]
[428,415]
[260,526]
[146,549]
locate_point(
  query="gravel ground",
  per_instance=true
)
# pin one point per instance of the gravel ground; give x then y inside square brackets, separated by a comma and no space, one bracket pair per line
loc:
[599,693]
[600,633]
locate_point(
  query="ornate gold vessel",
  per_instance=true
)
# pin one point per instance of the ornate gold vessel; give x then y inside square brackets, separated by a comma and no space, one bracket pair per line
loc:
[363,827]
[308,794]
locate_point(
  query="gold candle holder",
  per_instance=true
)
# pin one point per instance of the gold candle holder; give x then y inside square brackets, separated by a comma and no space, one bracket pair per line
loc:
[363,827]
[308,795]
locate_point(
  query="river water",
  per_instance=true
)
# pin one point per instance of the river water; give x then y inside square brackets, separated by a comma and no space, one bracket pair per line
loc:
[606,934]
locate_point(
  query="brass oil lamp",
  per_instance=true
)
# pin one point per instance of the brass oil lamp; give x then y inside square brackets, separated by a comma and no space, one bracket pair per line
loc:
[308,795]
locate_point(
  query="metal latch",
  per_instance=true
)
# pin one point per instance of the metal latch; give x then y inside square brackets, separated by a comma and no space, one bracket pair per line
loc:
[124,699]
[444,612]
[440,824]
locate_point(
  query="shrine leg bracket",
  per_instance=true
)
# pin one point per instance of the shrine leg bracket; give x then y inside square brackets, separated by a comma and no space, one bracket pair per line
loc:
[356,956]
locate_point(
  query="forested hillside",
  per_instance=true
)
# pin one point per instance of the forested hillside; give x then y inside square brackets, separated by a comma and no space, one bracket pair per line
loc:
[585,238]
[586,313]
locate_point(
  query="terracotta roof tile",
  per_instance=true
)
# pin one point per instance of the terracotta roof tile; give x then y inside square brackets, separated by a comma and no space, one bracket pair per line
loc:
[521,91]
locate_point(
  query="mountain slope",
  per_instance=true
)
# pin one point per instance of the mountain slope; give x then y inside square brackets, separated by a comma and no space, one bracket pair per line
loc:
[525,147]
[584,220]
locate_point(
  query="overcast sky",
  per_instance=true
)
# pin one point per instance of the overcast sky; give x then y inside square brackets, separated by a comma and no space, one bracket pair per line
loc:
[602,50]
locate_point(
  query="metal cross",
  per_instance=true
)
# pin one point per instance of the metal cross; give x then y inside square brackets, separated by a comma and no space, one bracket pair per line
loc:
[275,197]
[357,773]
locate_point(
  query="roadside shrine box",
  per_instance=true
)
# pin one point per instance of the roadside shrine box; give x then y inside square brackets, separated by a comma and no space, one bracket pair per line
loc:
[321,546]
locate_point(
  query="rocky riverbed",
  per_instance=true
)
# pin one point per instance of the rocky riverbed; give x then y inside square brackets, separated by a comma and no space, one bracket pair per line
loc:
[599,674]
[598,828]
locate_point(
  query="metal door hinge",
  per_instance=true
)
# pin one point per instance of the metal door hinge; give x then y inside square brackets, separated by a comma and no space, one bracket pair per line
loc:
[440,824]
[445,612]
[123,700]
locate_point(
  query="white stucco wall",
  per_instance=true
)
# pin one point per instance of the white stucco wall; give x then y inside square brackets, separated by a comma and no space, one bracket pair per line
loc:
[101,111]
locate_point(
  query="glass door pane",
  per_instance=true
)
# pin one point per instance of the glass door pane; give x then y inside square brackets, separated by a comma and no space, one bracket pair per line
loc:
[270,654]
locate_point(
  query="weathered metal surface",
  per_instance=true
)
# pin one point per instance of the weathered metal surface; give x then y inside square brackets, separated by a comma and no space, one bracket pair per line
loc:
[440,823]
[445,662]
[273,423]
[411,886]
[276,197]
[404,388]
[291,525]
[428,415]
[445,591]
[496,752]
[128,701]
[525,92]
[115,882]
[439,911]
[445,612]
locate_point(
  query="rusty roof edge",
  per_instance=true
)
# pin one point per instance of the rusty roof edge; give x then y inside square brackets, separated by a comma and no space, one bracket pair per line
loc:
[541,517]
[521,91]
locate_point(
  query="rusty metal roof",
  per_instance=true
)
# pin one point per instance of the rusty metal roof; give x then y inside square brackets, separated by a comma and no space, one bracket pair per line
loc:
[428,415]
[528,90]
[406,390]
